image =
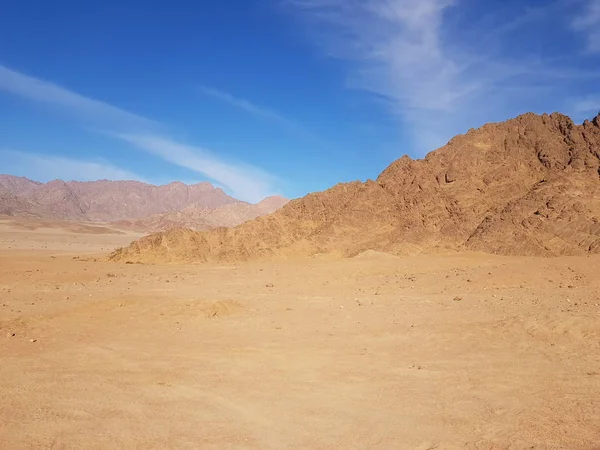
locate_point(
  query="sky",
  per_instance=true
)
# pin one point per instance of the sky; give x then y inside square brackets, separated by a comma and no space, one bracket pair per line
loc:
[276,97]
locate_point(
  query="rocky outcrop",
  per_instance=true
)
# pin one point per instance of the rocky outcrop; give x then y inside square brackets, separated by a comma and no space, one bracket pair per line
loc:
[527,186]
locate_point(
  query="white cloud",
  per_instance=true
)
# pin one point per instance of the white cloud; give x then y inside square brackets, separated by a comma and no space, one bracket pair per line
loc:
[81,107]
[397,43]
[588,23]
[261,112]
[243,180]
[46,167]
[585,108]
[247,106]
[440,78]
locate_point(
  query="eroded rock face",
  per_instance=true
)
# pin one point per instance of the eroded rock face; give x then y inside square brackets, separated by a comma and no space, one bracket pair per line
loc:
[527,186]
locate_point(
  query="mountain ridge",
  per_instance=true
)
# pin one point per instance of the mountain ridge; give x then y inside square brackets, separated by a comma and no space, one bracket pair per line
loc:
[526,186]
[109,201]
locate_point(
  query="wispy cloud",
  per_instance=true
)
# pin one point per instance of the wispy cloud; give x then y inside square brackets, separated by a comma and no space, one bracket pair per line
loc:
[431,69]
[81,107]
[586,106]
[243,180]
[588,23]
[46,167]
[254,109]
[398,47]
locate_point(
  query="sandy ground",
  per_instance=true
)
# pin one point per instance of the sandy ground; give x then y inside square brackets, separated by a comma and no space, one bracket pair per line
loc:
[461,351]
[19,234]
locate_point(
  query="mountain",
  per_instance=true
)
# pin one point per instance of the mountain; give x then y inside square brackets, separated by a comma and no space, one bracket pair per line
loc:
[18,185]
[104,200]
[13,205]
[200,217]
[527,186]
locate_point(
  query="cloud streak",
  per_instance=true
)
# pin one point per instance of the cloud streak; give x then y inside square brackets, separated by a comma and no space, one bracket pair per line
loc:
[586,106]
[247,106]
[438,74]
[45,167]
[72,103]
[588,23]
[397,45]
[259,111]
[244,181]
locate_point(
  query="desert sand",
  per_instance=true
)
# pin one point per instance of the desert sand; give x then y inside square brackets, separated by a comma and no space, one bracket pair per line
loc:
[446,351]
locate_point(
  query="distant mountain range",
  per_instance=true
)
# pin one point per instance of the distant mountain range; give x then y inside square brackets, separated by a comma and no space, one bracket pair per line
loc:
[130,204]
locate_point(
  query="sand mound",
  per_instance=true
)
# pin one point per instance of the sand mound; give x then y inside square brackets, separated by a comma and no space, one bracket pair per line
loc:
[375,255]
[528,186]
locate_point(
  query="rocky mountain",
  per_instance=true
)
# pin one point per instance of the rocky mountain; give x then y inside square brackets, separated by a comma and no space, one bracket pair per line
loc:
[200,217]
[18,185]
[104,201]
[527,186]
[13,205]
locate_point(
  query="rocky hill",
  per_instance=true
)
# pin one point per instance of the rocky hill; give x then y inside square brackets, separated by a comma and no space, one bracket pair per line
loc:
[527,186]
[12,205]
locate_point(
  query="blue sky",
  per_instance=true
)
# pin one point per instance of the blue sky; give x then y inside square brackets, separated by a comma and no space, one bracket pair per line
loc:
[276,96]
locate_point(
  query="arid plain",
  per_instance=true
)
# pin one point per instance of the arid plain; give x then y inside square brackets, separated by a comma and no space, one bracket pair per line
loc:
[456,350]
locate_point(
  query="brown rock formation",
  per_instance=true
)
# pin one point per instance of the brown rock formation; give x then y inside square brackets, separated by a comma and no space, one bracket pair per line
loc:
[528,186]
